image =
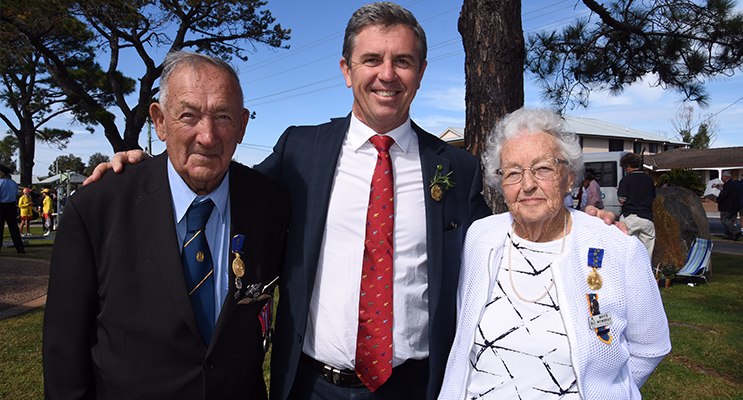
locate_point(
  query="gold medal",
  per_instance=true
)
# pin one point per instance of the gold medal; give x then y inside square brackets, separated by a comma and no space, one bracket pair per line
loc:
[594,280]
[238,267]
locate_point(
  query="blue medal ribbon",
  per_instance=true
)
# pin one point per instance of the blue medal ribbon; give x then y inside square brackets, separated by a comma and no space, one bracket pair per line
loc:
[237,243]
[593,306]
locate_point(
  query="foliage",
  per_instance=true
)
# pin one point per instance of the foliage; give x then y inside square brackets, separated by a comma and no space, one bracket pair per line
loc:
[707,128]
[680,43]
[67,163]
[683,177]
[29,91]
[124,29]
[8,146]
[667,272]
[94,160]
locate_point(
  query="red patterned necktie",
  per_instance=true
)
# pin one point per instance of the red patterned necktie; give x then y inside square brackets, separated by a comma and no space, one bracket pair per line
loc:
[374,340]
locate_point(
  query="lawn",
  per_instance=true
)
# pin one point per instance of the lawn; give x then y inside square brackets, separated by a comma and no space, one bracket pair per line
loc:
[705,322]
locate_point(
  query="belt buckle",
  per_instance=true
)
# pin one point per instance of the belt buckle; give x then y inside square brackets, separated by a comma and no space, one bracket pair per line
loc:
[332,375]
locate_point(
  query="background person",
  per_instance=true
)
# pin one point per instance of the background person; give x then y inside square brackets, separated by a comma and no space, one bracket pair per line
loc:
[48,210]
[636,193]
[26,206]
[728,206]
[527,289]
[592,193]
[8,213]
[134,310]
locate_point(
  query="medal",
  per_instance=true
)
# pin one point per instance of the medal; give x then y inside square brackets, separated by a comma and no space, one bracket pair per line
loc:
[594,280]
[238,266]
[595,258]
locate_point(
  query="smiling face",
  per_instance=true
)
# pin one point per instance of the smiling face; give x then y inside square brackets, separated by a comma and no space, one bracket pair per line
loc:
[201,124]
[384,72]
[534,202]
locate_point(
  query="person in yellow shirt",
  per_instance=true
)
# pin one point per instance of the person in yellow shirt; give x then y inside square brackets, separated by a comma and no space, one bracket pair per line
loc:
[47,209]
[26,206]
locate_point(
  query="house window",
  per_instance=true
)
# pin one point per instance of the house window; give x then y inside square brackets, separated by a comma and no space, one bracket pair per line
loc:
[668,147]
[637,148]
[714,174]
[616,144]
[652,147]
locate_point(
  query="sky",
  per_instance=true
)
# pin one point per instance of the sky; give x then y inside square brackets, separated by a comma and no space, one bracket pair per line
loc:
[304,85]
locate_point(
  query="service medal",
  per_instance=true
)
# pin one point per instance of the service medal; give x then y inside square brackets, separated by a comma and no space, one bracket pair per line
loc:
[238,266]
[594,280]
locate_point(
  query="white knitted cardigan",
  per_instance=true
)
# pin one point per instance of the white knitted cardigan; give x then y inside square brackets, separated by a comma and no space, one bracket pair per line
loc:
[630,292]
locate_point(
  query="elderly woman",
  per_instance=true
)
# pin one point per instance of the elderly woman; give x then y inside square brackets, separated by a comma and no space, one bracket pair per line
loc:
[552,303]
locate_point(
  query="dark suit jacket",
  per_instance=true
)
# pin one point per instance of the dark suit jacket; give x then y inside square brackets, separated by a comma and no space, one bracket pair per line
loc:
[728,199]
[304,163]
[119,323]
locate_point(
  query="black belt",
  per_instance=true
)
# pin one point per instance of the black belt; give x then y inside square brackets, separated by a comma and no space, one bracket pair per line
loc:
[338,377]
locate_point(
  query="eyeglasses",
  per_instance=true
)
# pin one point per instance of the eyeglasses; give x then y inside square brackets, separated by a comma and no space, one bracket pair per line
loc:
[543,170]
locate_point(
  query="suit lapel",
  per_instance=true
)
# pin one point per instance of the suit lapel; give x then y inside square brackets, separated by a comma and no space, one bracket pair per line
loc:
[431,157]
[164,256]
[240,223]
[322,166]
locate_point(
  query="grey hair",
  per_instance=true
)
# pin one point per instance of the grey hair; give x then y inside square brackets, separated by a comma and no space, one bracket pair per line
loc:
[526,122]
[179,58]
[387,14]
[727,173]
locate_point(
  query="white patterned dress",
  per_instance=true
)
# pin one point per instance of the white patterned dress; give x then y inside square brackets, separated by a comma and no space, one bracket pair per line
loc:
[521,350]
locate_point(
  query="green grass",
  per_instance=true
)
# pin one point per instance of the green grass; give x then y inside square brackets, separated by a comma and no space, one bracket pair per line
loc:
[706,323]
[20,356]
[38,249]
[705,364]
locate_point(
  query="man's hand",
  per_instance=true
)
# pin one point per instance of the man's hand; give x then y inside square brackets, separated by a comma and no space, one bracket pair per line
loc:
[120,159]
[608,217]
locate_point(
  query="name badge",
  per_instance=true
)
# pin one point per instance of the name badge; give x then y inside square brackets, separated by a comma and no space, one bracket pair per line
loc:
[600,321]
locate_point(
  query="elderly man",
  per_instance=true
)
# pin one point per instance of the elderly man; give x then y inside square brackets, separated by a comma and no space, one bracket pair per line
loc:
[148,293]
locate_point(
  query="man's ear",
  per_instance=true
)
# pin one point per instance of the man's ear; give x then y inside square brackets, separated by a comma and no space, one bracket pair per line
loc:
[346,70]
[157,114]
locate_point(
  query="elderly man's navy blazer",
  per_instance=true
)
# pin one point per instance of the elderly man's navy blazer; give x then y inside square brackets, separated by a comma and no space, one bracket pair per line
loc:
[304,163]
[119,323]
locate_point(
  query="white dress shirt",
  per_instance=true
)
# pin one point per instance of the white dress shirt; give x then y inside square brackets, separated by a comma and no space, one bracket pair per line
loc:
[332,325]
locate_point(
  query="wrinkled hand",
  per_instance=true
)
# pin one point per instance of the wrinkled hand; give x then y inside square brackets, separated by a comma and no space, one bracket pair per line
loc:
[120,159]
[608,217]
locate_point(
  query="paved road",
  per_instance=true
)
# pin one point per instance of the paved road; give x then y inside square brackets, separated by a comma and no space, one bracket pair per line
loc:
[723,246]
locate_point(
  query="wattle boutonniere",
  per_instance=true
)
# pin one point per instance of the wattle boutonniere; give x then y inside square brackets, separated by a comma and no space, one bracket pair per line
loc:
[438,181]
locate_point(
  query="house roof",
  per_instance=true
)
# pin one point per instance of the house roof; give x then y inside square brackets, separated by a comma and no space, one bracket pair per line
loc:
[587,127]
[594,127]
[697,158]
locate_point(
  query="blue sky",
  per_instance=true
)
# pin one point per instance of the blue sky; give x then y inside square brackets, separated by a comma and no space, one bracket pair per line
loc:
[303,85]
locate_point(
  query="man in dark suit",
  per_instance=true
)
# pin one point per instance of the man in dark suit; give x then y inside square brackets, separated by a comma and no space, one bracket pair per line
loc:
[326,170]
[727,204]
[125,318]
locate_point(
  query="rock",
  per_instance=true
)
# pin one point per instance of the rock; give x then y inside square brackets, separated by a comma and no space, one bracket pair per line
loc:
[679,219]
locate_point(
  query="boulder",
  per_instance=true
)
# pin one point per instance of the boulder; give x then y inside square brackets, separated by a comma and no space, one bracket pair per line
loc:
[679,218]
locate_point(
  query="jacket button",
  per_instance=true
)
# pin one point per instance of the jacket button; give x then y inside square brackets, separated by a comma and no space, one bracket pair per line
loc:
[299,339]
[208,365]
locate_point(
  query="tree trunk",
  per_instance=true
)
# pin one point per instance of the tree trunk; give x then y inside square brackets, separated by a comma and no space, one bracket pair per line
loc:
[494,50]
[26,151]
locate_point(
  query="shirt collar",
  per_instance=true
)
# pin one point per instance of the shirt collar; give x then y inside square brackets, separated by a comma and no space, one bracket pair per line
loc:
[183,196]
[359,134]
